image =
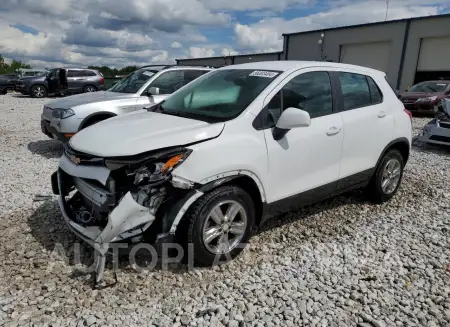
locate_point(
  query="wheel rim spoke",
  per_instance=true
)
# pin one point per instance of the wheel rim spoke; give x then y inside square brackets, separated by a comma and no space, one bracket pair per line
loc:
[223,245]
[211,234]
[391,176]
[238,228]
[217,215]
[232,211]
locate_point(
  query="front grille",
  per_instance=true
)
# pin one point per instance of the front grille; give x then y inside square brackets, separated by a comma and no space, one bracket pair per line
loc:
[444,125]
[440,138]
[84,158]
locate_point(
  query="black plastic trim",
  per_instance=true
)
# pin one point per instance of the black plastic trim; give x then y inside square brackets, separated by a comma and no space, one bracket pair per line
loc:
[402,58]
[98,113]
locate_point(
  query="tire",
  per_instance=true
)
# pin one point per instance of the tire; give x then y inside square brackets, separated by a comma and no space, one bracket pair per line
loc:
[38,91]
[198,220]
[89,89]
[391,163]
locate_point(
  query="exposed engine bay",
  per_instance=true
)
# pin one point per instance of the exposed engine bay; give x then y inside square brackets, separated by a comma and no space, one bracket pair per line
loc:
[106,200]
[437,131]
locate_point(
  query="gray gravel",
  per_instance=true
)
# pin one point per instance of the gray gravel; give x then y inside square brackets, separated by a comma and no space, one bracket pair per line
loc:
[344,262]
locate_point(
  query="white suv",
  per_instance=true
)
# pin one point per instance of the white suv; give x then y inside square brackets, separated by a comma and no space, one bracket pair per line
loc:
[231,149]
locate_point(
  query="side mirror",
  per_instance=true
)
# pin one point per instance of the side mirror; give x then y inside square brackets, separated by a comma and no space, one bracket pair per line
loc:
[153,90]
[289,119]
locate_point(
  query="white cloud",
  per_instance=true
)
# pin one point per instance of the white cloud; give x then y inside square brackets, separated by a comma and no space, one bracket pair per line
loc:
[266,35]
[176,45]
[200,52]
[228,52]
[254,4]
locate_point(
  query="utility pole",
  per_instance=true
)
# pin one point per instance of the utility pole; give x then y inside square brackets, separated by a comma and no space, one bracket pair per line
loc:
[387,10]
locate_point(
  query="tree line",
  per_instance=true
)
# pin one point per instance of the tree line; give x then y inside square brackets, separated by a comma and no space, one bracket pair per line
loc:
[12,67]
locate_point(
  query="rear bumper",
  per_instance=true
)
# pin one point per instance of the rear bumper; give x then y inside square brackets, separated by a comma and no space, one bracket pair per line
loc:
[436,132]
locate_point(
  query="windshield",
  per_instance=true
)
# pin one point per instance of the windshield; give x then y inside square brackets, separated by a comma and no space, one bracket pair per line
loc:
[429,87]
[220,95]
[133,82]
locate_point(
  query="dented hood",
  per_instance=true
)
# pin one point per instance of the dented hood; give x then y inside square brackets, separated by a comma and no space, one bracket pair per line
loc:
[141,132]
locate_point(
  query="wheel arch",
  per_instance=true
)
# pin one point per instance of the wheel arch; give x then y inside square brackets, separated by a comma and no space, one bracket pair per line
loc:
[87,119]
[402,144]
[90,84]
[244,179]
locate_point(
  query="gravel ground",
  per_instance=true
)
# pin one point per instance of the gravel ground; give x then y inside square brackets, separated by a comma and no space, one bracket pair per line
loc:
[343,262]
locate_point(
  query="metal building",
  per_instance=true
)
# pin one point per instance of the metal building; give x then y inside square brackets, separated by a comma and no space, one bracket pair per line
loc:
[231,60]
[409,50]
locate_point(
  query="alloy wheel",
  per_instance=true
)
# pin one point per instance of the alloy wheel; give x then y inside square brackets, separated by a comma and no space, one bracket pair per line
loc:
[38,92]
[391,176]
[224,227]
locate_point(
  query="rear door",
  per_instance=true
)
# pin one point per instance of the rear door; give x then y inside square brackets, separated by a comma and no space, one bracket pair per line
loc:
[368,124]
[72,80]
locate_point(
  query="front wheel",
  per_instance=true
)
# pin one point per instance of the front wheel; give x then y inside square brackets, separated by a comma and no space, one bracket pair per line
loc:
[38,91]
[388,176]
[220,224]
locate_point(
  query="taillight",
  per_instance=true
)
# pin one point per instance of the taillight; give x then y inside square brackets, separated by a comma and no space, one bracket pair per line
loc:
[408,113]
[102,80]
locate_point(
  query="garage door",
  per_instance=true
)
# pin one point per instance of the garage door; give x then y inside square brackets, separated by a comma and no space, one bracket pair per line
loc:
[374,55]
[434,54]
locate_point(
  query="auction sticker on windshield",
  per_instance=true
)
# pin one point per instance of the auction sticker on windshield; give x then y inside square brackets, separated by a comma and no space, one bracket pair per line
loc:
[147,73]
[263,73]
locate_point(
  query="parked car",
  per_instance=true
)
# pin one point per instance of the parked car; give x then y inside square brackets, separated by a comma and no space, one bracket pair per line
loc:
[79,80]
[231,149]
[437,131]
[423,97]
[64,117]
[8,82]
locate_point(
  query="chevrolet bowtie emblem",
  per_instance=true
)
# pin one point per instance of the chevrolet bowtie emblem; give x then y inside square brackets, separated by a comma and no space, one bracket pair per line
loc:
[75,160]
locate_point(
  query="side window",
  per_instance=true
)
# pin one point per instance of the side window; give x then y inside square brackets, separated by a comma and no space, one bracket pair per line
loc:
[88,73]
[355,90]
[310,92]
[190,75]
[375,93]
[71,73]
[78,73]
[169,82]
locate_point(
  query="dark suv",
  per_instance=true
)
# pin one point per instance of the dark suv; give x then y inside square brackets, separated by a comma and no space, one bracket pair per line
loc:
[79,80]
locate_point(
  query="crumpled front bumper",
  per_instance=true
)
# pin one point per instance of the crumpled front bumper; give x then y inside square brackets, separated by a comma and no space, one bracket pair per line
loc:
[126,221]
[436,132]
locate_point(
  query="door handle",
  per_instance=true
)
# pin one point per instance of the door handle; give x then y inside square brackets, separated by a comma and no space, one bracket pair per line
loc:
[333,131]
[381,114]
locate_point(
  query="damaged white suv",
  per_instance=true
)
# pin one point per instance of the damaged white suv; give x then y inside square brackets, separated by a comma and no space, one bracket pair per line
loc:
[228,151]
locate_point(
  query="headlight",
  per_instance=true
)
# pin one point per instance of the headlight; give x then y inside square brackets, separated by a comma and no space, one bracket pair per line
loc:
[429,99]
[62,113]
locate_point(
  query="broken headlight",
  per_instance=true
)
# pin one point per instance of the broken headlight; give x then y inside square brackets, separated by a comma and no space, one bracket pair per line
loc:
[151,169]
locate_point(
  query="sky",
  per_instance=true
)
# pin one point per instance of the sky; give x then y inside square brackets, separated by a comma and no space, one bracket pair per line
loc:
[118,33]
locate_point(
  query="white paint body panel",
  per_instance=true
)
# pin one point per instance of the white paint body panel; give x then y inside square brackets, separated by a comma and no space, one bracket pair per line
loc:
[140,132]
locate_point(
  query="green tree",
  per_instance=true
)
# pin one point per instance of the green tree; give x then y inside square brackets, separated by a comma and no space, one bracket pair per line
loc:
[12,67]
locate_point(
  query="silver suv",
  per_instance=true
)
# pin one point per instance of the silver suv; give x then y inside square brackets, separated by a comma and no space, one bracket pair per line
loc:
[149,85]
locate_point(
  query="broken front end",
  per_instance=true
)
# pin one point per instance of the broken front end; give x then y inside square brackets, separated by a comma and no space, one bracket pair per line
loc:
[437,131]
[107,200]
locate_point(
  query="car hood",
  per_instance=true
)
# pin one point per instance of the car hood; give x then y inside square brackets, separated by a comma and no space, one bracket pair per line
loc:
[32,78]
[86,98]
[140,132]
[419,95]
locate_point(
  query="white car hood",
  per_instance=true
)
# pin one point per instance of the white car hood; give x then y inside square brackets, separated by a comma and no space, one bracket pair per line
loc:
[140,132]
[86,98]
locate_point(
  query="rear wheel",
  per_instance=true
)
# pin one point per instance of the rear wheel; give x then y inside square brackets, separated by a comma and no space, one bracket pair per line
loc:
[38,91]
[89,88]
[220,224]
[388,176]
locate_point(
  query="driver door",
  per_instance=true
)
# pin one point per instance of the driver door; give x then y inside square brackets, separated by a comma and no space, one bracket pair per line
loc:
[304,164]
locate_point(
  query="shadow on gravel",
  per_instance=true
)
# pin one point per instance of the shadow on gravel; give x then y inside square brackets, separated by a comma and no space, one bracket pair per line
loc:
[49,149]
[49,229]
[442,150]
[353,197]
